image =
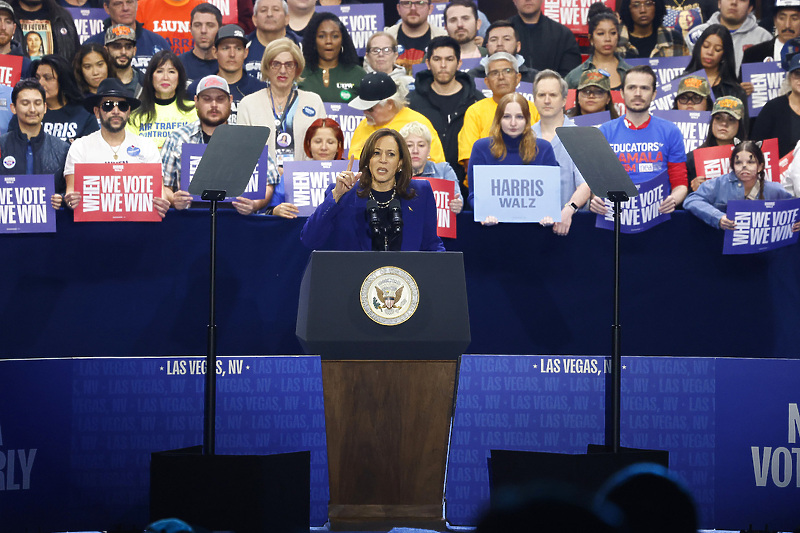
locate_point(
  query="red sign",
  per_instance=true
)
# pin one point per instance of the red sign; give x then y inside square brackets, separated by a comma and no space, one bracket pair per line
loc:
[229,10]
[117,192]
[572,13]
[784,163]
[443,192]
[10,69]
[714,161]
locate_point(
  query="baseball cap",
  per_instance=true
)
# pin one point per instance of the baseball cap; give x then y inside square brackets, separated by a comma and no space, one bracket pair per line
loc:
[780,4]
[694,84]
[212,81]
[594,77]
[116,32]
[229,31]
[374,87]
[7,7]
[729,104]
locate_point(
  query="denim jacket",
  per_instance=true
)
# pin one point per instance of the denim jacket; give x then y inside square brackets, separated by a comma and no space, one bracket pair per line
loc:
[710,202]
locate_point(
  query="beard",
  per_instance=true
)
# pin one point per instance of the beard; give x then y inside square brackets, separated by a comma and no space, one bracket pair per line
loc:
[106,123]
[122,63]
[212,123]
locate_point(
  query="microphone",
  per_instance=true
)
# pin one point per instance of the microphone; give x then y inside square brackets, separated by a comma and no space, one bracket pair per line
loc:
[371,214]
[395,216]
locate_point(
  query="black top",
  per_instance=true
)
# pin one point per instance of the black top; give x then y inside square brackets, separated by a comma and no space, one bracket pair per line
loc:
[777,119]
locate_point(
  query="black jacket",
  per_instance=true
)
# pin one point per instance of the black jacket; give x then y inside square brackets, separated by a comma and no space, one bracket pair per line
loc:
[758,52]
[448,121]
[547,44]
[65,36]
[49,156]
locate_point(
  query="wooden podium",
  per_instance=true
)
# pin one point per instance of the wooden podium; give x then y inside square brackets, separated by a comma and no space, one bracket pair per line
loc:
[389,389]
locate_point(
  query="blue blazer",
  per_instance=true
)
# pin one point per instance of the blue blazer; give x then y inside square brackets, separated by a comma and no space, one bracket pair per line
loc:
[342,225]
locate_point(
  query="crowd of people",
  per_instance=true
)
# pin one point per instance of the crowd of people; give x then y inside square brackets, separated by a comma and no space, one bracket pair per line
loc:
[136,92]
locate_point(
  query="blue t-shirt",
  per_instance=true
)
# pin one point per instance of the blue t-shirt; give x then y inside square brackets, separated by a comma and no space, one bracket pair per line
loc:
[196,68]
[645,153]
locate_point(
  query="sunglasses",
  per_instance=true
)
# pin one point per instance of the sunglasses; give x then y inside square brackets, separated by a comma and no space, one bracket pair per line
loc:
[109,105]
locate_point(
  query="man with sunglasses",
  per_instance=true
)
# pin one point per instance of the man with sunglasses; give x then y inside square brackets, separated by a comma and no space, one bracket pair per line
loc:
[413,32]
[113,143]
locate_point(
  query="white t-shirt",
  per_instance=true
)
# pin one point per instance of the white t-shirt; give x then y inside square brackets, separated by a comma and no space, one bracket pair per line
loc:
[94,149]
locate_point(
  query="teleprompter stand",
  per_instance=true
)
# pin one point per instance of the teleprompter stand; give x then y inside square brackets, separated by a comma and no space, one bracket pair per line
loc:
[388,390]
[607,178]
[240,493]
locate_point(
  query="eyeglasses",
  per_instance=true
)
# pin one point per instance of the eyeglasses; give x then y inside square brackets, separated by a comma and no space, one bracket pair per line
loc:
[591,92]
[385,50]
[407,4]
[639,5]
[500,72]
[690,98]
[276,65]
[109,105]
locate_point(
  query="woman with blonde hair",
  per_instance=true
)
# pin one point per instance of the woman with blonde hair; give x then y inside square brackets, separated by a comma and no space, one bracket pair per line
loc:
[286,110]
[511,141]
[418,140]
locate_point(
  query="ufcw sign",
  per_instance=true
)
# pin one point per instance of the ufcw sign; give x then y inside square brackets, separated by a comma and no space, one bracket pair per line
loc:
[779,466]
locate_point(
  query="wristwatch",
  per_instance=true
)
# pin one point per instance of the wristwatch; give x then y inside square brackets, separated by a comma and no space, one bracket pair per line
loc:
[572,205]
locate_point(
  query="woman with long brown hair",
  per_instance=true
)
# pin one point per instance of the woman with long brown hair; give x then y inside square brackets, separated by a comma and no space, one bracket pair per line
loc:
[511,141]
[361,210]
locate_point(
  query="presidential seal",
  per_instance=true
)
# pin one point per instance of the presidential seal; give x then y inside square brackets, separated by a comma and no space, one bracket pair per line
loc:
[389,296]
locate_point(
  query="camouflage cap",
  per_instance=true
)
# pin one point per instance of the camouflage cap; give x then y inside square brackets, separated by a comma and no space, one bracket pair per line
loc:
[117,32]
[694,84]
[596,78]
[729,104]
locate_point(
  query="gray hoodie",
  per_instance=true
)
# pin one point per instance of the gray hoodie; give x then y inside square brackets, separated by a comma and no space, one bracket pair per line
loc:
[748,34]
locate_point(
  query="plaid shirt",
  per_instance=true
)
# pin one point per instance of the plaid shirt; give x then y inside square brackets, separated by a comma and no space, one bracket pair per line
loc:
[668,44]
[191,133]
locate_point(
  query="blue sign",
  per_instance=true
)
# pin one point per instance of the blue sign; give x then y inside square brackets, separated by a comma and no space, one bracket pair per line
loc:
[666,93]
[760,225]
[666,68]
[347,118]
[361,21]
[517,193]
[88,21]
[190,157]
[640,213]
[25,204]
[766,79]
[305,182]
[592,119]
[693,125]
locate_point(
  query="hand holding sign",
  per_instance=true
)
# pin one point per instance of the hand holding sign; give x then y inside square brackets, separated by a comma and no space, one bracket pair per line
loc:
[73,199]
[457,204]
[286,210]
[345,180]
[182,199]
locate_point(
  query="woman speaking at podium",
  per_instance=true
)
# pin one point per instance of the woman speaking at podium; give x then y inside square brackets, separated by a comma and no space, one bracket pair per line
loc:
[377,208]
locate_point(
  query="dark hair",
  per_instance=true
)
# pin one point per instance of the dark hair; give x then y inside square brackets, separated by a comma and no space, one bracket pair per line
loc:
[324,123]
[598,12]
[347,56]
[205,7]
[36,34]
[501,24]
[463,3]
[709,104]
[753,148]
[443,41]
[641,69]
[25,83]
[627,19]
[727,64]
[711,140]
[147,111]
[403,176]
[85,50]
[68,92]
[577,111]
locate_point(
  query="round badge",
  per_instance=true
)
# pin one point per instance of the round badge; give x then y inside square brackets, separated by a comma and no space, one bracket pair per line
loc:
[133,151]
[9,161]
[389,296]
[63,31]
[284,139]
[345,95]
[309,111]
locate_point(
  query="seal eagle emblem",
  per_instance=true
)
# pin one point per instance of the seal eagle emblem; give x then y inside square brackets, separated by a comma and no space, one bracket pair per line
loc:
[389,296]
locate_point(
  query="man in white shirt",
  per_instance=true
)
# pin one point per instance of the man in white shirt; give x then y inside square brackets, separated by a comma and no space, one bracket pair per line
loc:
[112,105]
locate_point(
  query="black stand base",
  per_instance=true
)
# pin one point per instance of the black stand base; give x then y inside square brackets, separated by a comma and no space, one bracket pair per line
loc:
[586,472]
[240,493]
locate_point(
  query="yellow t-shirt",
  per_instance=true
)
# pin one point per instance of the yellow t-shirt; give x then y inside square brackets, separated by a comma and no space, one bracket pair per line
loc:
[478,121]
[406,115]
[168,118]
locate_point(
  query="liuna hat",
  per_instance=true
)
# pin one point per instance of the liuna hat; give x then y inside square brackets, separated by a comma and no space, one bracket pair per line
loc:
[110,87]
[374,87]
